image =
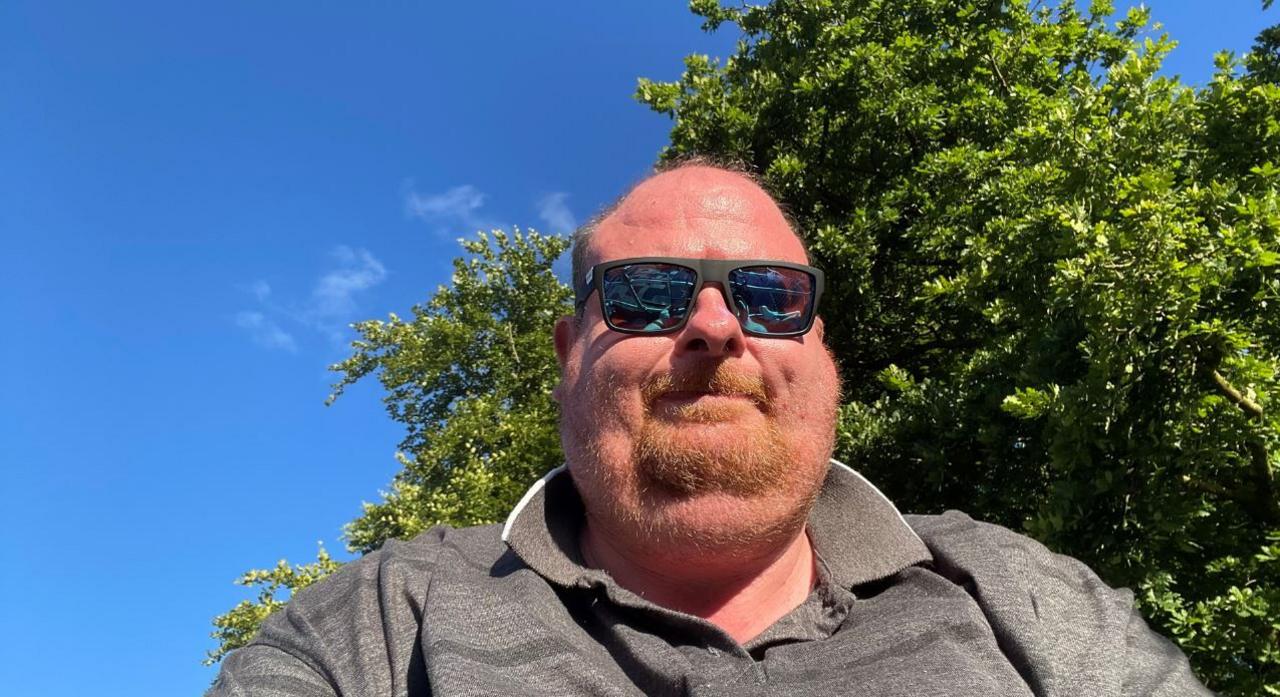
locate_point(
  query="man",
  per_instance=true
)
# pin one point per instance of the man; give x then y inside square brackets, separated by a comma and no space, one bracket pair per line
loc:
[699,540]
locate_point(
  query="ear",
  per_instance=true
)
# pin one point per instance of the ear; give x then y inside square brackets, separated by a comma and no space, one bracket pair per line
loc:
[566,333]
[820,329]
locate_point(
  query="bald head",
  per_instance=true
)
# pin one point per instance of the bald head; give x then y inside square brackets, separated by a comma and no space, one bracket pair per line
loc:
[721,205]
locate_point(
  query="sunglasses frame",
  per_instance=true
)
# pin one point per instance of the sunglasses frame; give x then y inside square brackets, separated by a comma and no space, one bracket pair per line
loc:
[705,271]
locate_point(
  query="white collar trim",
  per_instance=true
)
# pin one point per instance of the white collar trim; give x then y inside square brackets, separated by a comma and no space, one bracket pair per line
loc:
[528,496]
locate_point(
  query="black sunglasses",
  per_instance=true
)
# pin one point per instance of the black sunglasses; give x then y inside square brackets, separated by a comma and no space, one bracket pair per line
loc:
[650,295]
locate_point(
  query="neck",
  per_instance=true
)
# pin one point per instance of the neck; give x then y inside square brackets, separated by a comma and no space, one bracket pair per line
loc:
[742,592]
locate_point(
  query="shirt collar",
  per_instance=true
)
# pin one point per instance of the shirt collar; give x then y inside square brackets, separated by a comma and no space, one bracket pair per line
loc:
[856,531]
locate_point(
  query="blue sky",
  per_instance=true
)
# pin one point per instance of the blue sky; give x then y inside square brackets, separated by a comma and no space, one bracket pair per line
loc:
[196,199]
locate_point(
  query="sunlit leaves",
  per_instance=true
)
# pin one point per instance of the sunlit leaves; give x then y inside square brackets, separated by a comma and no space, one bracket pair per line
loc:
[469,376]
[1053,288]
[235,628]
[1053,278]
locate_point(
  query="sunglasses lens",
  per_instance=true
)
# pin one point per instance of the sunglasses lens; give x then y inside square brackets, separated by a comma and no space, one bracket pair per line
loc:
[650,297]
[772,300]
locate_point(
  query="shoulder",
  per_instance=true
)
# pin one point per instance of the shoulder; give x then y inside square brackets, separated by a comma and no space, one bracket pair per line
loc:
[398,574]
[965,549]
[355,631]
[1027,592]
[957,529]
[1057,621]
[371,609]
[406,563]
[412,561]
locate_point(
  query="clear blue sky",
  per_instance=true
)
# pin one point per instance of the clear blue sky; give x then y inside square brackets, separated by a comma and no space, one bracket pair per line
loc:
[195,199]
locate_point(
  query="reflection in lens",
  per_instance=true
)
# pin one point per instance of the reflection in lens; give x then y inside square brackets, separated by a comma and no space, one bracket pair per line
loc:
[647,297]
[772,300]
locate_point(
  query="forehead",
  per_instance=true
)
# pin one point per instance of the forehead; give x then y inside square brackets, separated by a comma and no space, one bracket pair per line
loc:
[698,212]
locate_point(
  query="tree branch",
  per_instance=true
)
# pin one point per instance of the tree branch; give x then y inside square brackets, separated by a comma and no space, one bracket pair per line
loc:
[1250,407]
[1264,497]
[996,67]
[1210,487]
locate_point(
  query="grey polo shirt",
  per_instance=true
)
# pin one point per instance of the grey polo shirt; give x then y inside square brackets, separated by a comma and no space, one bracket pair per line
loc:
[927,605]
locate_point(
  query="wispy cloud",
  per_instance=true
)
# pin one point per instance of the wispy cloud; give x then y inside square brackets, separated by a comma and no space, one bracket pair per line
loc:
[459,205]
[556,214]
[265,332]
[261,290]
[357,270]
[330,307]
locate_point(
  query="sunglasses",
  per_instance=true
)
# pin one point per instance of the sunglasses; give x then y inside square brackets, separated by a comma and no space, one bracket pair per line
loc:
[651,295]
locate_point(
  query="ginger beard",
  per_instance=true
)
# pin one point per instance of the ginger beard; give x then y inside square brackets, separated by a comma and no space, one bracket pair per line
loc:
[672,452]
[737,468]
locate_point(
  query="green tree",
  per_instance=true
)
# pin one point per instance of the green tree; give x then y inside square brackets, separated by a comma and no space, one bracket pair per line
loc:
[1054,280]
[238,626]
[470,378]
[1053,285]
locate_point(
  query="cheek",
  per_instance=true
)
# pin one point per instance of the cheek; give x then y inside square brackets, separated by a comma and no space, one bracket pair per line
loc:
[607,383]
[808,384]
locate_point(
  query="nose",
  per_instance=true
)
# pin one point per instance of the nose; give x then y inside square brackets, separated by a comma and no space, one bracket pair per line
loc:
[712,329]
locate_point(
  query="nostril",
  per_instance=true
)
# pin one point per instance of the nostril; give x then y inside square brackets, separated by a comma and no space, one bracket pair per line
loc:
[697,344]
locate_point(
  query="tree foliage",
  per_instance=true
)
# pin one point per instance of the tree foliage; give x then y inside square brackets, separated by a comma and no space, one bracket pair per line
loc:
[235,628]
[470,377]
[1053,279]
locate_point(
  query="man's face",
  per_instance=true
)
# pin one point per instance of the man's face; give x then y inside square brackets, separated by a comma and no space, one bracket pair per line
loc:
[706,434]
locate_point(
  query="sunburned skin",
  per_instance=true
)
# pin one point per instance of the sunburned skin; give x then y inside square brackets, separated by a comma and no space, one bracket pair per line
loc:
[698,453]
